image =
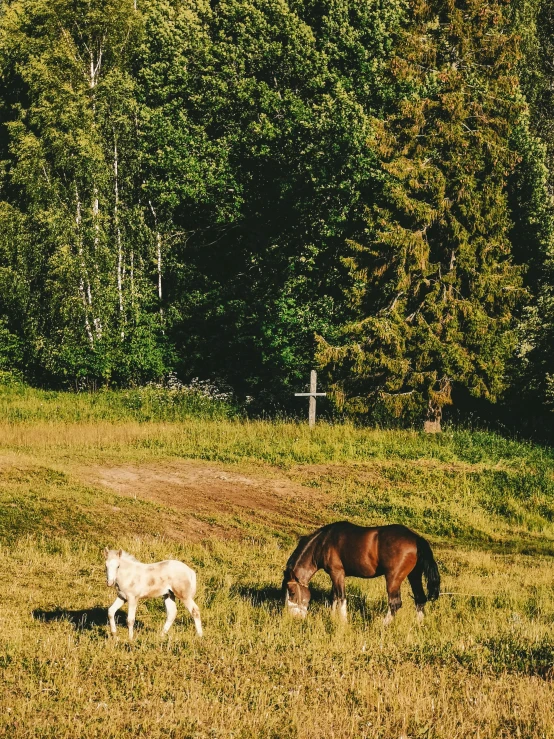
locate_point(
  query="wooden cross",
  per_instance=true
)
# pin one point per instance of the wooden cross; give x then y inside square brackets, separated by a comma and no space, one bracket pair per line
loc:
[312,395]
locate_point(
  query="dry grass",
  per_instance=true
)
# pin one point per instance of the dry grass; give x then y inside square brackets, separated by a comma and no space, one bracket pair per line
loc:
[283,444]
[481,665]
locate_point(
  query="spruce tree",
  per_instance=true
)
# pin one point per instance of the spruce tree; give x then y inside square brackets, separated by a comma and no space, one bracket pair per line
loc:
[433,280]
[532,393]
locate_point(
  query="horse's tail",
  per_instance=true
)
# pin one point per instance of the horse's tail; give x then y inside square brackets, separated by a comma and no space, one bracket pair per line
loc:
[427,562]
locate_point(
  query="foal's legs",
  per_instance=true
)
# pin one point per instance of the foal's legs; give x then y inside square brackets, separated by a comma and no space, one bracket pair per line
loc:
[194,611]
[419,594]
[339,593]
[394,581]
[132,609]
[171,610]
[112,610]
[186,599]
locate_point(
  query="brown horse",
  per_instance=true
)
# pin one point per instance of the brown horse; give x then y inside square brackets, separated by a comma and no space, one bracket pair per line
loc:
[343,549]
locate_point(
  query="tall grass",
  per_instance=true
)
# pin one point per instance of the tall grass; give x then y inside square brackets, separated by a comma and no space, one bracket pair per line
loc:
[276,443]
[480,665]
[19,403]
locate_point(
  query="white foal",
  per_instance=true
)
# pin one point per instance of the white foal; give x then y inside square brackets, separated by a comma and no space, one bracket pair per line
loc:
[134,580]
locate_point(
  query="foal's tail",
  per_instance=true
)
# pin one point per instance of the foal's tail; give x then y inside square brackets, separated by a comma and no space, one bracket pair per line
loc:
[427,562]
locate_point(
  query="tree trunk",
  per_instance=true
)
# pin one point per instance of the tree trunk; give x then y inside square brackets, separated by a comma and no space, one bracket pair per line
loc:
[438,398]
[159,257]
[95,215]
[432,427]
[83,278]
[432,424]
[118,236]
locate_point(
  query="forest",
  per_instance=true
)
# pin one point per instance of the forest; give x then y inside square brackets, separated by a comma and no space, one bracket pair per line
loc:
[242,190]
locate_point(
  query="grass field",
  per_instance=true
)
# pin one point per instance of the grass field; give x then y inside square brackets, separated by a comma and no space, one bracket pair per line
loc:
[230,497]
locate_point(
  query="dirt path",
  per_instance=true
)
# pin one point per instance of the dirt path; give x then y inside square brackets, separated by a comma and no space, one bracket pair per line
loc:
[204,488]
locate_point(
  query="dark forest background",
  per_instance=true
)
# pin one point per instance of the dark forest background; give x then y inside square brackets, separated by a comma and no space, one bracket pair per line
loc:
[241,190]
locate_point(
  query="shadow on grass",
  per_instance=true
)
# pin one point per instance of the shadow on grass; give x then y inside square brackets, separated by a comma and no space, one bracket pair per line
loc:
[507,655]
[86,619]
[273,599]
[275,596]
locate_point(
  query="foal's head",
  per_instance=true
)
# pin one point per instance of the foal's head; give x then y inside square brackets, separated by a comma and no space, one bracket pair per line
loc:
[113,560]
[297,595]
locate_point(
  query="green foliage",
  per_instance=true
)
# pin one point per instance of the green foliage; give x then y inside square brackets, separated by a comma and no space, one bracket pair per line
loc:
[73,232]
[434,283]
[257,149]
[532,385]
[205,188]
[534,20]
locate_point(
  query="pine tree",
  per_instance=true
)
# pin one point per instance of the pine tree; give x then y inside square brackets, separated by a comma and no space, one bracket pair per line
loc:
[433,280]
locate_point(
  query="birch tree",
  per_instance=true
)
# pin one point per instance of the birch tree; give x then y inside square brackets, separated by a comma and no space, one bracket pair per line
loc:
[74,169]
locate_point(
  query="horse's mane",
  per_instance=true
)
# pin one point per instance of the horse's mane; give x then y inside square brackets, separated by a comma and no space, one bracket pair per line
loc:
[303,544]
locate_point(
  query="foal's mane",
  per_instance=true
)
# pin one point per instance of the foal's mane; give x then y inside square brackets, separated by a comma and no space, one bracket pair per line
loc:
[128,557]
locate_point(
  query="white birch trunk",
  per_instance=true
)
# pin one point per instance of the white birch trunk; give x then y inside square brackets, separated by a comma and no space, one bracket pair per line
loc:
[95,65]
[83,280]
[159,256]
[132,273]
[159,245]
[95,213]
[118,236]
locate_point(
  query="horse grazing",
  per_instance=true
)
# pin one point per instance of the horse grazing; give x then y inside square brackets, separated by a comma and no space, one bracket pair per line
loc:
[134,580]
[343,549]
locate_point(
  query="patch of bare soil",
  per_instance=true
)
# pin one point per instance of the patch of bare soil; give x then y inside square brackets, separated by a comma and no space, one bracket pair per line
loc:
[205,489]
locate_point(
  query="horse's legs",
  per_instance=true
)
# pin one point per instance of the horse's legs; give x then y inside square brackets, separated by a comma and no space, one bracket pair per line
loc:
[394,581]
[419,594]
[194,611]
[131,615]
[112,610]
[339,593]
[171,610]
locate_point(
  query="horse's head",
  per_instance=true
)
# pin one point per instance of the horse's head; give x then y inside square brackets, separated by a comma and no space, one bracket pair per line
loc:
[297,595]
[113,560]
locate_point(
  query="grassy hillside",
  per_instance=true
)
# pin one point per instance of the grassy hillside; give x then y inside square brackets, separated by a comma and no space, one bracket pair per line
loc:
[230,497]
